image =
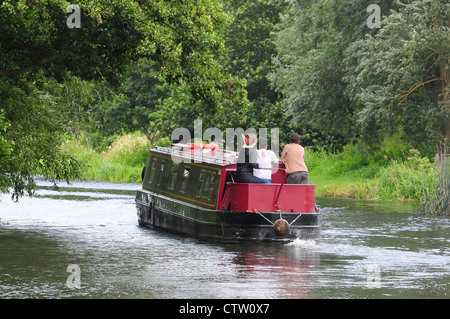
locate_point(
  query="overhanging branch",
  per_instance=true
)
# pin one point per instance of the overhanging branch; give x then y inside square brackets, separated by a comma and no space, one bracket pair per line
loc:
[414,87]
[40,64]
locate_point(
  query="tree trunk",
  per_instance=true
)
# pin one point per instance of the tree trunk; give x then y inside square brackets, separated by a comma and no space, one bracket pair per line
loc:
[442,111]
[445,74]
[150,135]
[442,122]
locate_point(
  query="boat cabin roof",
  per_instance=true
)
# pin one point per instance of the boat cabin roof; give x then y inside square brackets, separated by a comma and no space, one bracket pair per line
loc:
[199,153]
[189,173]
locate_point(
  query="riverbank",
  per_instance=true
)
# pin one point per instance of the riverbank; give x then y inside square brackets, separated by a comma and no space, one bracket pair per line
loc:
[122,162]
[349,174]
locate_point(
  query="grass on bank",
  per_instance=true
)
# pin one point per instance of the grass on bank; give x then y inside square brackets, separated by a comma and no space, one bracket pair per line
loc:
[350,174]
[395,173]
[121,162]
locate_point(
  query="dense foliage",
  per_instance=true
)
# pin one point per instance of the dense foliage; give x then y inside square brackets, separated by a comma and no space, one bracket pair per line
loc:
[39,53]
[321,68]
[401,76]
[352,81]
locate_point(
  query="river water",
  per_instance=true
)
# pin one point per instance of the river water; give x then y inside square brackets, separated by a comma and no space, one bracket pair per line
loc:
[83,241]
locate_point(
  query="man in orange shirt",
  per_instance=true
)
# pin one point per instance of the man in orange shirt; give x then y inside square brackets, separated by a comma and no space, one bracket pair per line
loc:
[293,157]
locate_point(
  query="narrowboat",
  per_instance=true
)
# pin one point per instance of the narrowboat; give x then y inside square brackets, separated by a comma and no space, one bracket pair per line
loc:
[191,190]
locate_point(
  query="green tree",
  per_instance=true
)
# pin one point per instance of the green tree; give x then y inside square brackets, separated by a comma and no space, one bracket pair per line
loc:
[5,150]
[349,80]
[145,102]
[183,37]
[40,55]
[401,73]
[134,107]
[312,39]
[250,46]
[35,119]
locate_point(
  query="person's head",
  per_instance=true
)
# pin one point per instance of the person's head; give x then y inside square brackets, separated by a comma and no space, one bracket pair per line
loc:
[251,141]
[262,143]
[295,138]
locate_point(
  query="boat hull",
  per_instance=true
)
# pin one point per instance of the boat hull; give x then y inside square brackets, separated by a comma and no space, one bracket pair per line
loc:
[162,212]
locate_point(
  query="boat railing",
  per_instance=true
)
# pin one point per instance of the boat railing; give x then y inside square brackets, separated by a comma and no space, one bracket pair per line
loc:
[209,155]
[283,180]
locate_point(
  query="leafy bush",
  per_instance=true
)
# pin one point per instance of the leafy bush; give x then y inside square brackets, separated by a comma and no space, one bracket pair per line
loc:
[346,162]
[392,148]
[408,179]
[393,171]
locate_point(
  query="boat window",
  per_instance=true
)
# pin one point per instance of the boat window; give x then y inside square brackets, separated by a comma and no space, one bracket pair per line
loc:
[152,170]
[208,186]
[173,175]
[201,182]
[161,172]
[184,183]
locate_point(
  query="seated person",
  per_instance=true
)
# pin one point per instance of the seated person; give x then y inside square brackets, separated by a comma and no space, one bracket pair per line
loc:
[265,158]
[247,162]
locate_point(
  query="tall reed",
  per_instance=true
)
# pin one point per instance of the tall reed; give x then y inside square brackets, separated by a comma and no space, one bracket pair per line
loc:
[122,162]
[436,200]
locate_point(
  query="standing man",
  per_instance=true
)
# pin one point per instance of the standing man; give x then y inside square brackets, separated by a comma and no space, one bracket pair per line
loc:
[293,157]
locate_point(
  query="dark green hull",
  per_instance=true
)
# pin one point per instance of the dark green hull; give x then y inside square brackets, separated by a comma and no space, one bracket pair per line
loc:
[158,211]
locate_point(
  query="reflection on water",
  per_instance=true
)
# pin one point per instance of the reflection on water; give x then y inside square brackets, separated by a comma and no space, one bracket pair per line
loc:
[367,250]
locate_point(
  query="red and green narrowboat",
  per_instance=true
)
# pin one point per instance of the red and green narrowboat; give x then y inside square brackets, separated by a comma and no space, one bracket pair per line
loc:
[190,190]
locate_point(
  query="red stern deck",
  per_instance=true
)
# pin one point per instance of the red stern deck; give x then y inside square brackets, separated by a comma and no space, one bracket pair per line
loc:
[263,197]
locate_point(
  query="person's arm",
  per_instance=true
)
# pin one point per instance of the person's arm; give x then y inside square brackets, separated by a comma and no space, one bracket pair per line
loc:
[252,155]
[283,155]
[274,158]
